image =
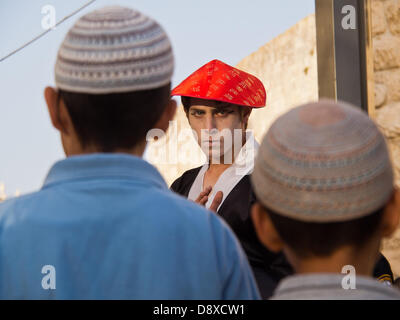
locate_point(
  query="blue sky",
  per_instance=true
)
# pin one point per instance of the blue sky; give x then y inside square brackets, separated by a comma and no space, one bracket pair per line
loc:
[199,30]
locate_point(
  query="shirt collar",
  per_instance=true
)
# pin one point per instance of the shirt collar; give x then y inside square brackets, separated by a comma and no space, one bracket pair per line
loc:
[104,165]
[244,161]
[324,281]
[242,165]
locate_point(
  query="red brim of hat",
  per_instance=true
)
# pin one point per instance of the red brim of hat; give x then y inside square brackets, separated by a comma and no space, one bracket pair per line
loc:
[218,81]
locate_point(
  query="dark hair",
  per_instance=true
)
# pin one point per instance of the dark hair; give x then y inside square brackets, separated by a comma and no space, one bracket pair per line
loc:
[186,102]
[116,120]
[322,239]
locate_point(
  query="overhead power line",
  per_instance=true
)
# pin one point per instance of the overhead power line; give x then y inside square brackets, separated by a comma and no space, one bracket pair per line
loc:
[48,30]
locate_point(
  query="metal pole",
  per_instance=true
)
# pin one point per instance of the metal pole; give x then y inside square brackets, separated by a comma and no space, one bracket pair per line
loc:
[344,47]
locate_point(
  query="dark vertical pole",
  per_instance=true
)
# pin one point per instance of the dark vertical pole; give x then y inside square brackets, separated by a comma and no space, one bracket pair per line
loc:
[347,22]
[325,48]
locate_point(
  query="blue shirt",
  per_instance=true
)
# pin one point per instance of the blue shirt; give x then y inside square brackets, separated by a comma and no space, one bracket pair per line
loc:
[105,226]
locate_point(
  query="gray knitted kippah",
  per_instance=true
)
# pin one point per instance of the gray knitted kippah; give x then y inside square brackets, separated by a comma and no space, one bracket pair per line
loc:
[323,162]
[114,49]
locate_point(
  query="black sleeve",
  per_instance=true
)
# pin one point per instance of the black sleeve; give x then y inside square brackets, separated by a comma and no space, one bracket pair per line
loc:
[183,184]
[176,185]
[382,270]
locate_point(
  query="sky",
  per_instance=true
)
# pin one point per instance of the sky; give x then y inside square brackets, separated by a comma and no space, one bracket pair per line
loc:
[200,31]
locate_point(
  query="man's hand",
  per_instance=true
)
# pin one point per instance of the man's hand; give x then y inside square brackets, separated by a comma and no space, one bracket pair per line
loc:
[217,201]
[203,198]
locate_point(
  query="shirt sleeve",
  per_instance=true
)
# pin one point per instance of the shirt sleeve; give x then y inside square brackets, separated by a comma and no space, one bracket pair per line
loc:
[175,186]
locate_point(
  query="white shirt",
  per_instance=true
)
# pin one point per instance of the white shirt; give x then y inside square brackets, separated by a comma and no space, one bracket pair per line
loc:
[242,165]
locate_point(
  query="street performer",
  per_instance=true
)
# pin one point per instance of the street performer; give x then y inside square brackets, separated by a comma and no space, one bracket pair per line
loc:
[218,100]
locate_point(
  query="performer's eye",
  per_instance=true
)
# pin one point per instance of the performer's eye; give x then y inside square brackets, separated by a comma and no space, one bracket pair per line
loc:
[197,113]
[224,112]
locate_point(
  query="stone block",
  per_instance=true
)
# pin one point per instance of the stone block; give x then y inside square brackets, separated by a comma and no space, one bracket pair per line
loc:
[378,17]
[380,94]
[393,15]
[391,79]
[386,52]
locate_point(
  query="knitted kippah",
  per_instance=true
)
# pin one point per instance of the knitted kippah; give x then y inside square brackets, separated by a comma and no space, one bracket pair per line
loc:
[114,49]
[323,162]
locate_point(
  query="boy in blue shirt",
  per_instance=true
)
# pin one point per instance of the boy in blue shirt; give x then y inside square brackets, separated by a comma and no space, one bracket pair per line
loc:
[104,225]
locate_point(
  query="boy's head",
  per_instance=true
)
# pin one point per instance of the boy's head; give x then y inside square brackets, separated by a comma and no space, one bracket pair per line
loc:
[218,100]
[113,75]
[324,182]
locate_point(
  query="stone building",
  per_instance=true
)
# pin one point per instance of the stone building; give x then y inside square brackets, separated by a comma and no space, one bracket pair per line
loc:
[287,65]
[386,43]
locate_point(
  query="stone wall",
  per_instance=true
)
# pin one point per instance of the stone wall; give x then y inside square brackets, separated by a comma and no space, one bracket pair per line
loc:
[386,42]
[287,65]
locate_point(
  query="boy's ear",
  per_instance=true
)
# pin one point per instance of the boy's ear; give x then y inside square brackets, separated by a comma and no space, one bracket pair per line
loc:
[50,95]
[265,229]
[167,116]
[56,112]
[391,215]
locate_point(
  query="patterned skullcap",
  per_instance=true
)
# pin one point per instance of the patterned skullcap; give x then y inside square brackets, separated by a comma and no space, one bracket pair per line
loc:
[114,49]
[323,162]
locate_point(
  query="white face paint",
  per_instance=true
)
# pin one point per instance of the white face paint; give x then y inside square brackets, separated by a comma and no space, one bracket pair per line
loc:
[216,128]
[217,145]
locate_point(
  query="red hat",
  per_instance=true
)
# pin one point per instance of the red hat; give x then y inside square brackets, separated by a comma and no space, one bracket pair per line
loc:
[219,81]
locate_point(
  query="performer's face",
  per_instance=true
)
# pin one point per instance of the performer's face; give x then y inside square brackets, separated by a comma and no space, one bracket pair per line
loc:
[218,127]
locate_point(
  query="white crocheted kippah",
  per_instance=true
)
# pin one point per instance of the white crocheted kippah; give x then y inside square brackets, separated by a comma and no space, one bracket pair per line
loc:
[114,49]
[323,162]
